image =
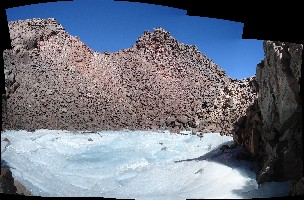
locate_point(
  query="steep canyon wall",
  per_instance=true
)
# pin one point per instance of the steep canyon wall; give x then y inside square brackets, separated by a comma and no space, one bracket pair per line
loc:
[272,127]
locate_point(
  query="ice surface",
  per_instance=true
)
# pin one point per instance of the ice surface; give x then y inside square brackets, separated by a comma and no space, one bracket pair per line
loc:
[131,164]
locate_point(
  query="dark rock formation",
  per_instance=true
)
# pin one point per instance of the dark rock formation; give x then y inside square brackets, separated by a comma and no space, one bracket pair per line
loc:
[54,81]
[10,186]
[248,128]
[298,188]
[7,182]
[272,128]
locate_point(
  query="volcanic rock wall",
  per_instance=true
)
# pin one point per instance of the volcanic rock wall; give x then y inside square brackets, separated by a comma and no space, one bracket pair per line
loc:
[54,81]
[272,128]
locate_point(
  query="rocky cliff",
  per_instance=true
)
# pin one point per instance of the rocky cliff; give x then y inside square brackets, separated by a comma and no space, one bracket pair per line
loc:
[272,127]
[54,81]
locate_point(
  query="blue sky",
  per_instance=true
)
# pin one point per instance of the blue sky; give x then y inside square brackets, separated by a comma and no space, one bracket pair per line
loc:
[105,25]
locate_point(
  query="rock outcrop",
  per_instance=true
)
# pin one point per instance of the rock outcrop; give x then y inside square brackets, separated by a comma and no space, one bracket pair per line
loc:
[272,128]
[7,182]
[298,188]
[10,186]
[54,81]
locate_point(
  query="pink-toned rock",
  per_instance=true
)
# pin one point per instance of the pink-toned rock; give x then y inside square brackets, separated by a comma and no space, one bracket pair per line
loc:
[77,88]
[21,189]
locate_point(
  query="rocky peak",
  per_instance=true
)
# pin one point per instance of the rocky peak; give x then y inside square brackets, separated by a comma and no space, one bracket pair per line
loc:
[156,38]
[159,39]
[25,34]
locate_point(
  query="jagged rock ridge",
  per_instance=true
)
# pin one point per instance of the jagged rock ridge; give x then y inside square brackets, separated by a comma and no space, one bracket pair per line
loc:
[54,81]
[272,128]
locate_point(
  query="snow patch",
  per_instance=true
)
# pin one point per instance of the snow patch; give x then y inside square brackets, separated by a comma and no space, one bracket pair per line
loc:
[131,164]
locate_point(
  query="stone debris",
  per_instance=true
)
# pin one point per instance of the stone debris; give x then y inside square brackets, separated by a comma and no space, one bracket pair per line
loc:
[57,82]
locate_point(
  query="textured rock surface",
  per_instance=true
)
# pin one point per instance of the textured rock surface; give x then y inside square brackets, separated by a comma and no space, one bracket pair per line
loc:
[10,186]
[273,125]
[7,182]
[21,189]
[55,81]
[298,188]
[248,128]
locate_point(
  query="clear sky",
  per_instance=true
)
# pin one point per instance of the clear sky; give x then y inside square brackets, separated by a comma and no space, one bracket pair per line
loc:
[105,25]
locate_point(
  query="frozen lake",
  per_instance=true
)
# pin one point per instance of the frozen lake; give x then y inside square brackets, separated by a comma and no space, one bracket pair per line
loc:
[131,164]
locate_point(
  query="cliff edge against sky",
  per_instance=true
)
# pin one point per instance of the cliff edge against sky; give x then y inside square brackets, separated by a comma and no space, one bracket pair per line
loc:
[55,81]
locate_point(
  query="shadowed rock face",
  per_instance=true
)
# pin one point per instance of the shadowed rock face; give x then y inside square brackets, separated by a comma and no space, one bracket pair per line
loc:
[7,182]
[55,81]
[272,128]
[298,188]
[281,109]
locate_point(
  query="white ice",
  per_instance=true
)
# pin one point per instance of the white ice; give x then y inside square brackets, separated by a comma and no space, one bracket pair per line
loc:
[131,164]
